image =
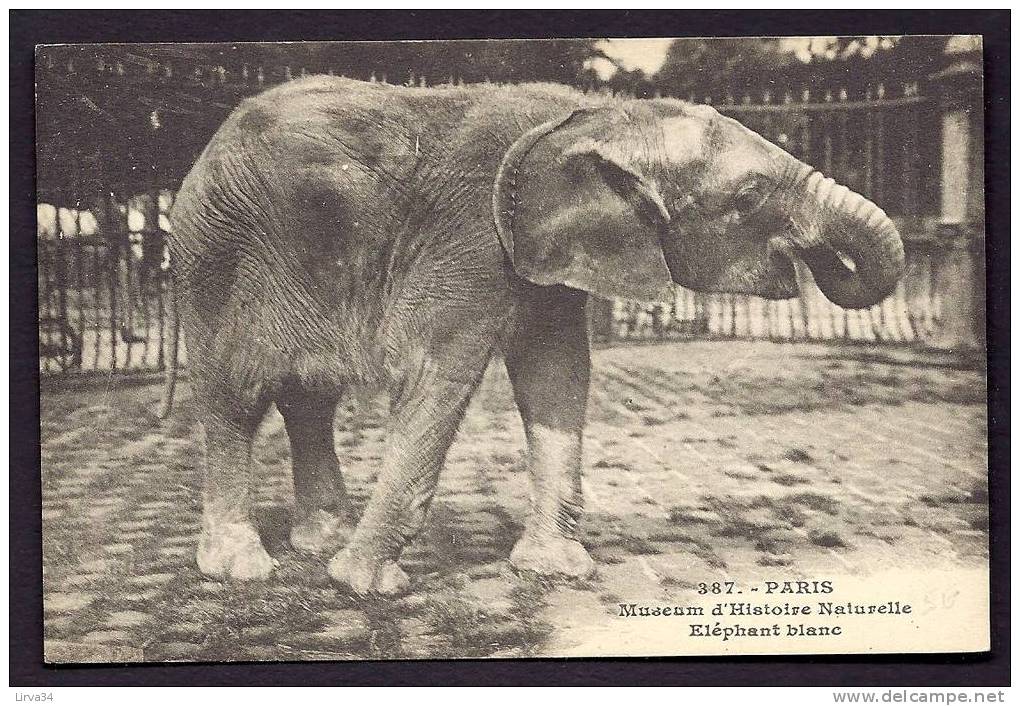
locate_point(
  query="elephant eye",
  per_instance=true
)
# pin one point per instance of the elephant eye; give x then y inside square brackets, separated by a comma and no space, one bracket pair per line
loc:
[749,199]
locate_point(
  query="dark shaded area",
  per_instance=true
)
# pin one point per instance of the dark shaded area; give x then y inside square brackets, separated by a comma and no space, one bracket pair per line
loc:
[129,118]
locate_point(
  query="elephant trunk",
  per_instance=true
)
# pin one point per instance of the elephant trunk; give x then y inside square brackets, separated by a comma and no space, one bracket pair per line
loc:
[851,246]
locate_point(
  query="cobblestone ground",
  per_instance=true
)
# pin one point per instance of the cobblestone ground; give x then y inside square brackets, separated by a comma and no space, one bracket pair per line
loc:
[705,458]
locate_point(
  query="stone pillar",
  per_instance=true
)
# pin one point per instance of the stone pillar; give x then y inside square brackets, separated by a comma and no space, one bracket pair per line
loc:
[960,281]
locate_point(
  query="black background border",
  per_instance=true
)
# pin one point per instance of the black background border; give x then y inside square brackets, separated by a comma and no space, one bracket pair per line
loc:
[28,28]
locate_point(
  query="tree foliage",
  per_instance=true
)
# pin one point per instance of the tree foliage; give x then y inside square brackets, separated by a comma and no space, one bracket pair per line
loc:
[718,66]
[697,66]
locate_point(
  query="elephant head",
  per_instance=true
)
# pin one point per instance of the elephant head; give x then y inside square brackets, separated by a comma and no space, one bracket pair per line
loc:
[622,200]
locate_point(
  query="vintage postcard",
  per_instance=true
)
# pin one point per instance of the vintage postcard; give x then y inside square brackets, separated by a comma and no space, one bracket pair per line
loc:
[512,348]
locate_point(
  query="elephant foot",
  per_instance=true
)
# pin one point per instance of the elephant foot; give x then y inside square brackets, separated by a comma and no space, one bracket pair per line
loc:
[233,551]
[366,576]
[551,555]
[318,532]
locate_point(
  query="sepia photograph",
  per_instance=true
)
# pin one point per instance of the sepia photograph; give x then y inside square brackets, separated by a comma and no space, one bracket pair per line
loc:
[493,348]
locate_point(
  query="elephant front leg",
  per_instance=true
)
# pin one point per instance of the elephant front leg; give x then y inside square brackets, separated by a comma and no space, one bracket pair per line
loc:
[549,366]
[423,427]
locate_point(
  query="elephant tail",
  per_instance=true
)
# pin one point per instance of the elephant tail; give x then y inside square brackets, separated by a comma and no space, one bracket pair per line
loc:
[170,381]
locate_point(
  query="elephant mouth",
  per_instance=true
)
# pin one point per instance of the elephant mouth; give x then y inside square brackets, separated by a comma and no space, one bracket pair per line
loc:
[776,275]
[762,269]
[770,274]
[783,277]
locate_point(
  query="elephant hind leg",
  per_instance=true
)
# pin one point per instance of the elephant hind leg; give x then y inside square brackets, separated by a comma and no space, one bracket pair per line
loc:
[230,546]
[321,508]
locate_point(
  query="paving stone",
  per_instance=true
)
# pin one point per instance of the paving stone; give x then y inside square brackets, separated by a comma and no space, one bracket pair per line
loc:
[157,579]
[177,651]
[67,602]
[56,624]
[108,636]
[413,602]
[176,551]
[493,595]
[119,548]
[136,538]
[85,579]
[144,515]
[353,628]
[345,618]
[127,619]
[95,565]
[156,505]
[101,511]
[262,634]
[205,606]
[190,629]
[133,526]
[260,653]
[67,652]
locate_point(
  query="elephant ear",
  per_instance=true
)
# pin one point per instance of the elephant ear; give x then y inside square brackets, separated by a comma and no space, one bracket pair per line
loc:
[571,211]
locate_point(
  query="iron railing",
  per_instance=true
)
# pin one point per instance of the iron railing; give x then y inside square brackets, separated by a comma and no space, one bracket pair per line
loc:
[103,295]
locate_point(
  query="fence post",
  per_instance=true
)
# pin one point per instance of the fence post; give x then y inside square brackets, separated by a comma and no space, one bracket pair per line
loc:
[960,271]
[600,317]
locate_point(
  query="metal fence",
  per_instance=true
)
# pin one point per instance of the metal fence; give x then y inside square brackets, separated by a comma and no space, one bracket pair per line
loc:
[100,308]
[912,314]
[103,295]
[104,289]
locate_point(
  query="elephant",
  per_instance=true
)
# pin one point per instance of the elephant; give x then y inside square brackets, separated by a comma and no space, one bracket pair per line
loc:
[338,233]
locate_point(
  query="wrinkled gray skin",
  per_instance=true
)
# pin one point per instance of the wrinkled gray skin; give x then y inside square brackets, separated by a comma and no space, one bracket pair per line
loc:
[336,232]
